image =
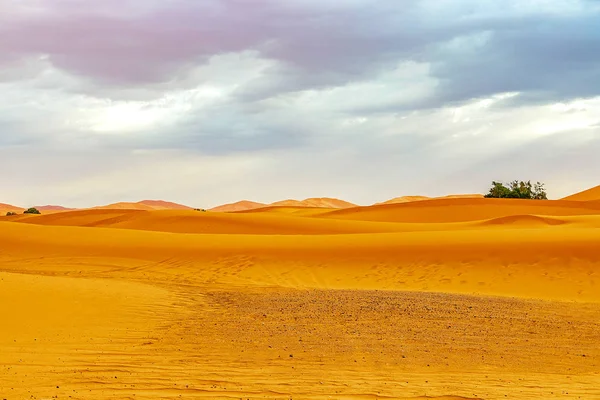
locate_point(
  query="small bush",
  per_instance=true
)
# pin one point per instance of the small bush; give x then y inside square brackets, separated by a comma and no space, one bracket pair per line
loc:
[32,211]
[200,209]
[517,190]
[11,214]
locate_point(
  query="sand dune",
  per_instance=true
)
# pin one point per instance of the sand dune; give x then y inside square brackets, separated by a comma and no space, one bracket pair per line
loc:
[405,199]
[324,202]
[321,202]
[525,221]
[460,210]
[592,194]
[201,222]
[146,205]
[408,199]
[164,205]
[418,260]
[459,298]
[53,208]
[243,205]
[4,208]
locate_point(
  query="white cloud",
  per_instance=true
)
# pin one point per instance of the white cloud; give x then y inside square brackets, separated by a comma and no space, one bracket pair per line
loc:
[226,100]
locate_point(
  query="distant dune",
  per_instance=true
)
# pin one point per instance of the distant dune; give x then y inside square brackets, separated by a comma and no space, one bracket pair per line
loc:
[315,202]
[325,202]
[405,199]
[164,205]
[587,195]
[145,205]
[53,208]
[408,199]
[124,206]
[4,208]
[463,210]
[243,205]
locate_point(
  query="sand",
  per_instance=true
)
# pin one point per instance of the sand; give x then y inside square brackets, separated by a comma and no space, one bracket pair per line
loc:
[409,199]
[592,194]
[450,298]
[243,205]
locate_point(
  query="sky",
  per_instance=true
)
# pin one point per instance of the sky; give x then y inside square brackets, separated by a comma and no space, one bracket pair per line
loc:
[205,102]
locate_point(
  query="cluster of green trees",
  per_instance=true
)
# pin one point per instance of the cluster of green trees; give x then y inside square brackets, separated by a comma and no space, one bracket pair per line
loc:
[31,210]
[518,190]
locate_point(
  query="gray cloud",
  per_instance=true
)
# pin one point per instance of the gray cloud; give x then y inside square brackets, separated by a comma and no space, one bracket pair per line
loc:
[393,93]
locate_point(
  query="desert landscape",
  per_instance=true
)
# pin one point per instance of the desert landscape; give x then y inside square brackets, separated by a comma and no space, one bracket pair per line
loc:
[460,297]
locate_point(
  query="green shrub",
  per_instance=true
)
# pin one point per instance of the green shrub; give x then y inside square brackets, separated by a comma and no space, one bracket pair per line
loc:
[32,211]
[517,190]
[11,213]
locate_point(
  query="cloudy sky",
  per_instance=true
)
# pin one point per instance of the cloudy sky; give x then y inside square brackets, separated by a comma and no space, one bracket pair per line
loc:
[211,101]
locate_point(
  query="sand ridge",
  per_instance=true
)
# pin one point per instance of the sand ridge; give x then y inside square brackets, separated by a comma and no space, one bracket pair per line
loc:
[592,194]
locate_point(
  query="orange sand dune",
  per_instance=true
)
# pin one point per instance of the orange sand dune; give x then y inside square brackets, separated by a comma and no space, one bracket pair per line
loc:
[448,299]
[324,202]
[124,206]
[408,199]
[4,208]
[587,195]
[289,210]
[459,210]
[203,222]
[53,208]
[243,205]
[525,221]
[164,205]
[143,205]
[405,199]
[552,263]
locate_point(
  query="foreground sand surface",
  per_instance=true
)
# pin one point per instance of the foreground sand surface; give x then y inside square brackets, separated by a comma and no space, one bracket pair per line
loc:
[450,298]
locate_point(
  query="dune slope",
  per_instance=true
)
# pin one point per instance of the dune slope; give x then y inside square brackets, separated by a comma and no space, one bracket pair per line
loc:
[461,210]
[243,205]
[587,195]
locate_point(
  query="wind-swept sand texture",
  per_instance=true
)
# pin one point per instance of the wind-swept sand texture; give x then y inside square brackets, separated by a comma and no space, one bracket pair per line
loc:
[452,299]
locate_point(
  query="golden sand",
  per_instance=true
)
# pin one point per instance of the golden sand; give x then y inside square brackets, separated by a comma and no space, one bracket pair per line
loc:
[459,298]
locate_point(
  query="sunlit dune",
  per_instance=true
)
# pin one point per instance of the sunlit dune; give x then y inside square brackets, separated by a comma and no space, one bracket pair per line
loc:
[405,199]
[5,208]
[53,208]
[592,194]
[409,199]
[164,205]
[525,221]
[324,202]
[146,205]
[243,205]
[453,299]
[206,222]
[460,210]
[124,206]
[290,210]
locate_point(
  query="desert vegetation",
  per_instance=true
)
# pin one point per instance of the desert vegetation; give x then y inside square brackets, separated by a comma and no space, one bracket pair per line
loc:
[518,190]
